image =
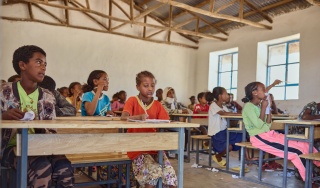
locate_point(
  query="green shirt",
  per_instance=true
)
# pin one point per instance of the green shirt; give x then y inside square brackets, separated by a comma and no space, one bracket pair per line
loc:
[28,103]
[254,125]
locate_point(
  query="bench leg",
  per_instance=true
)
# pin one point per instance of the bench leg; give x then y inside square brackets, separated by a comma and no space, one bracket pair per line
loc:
[128,176]
[242,161]
[260,164]
[197,152]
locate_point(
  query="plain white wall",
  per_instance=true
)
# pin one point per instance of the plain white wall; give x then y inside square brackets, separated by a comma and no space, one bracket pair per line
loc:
[305,22]
[73,53]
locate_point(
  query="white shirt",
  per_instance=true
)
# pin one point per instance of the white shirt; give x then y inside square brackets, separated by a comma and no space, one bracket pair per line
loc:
[216,123]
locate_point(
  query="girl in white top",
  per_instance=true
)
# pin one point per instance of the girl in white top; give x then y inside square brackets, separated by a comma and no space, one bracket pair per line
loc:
[218,126]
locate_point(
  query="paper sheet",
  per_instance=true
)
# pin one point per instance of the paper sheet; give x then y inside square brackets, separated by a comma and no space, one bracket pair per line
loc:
[28,116]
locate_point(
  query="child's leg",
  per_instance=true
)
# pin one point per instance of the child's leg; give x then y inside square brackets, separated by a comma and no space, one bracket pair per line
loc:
[146,170]
[273,142]
[169,177]
[39,168]
[62,172]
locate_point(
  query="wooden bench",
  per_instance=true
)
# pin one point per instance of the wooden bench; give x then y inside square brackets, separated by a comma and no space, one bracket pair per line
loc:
[202,138]
[90,149]
[243,146]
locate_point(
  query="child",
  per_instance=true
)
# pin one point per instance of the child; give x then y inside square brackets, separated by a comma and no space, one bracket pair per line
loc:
[310,111]
[75,94]
[159,93]
[119,104]
[63,91]
[170,103]
[218,126]
[258,122]
[145,168]
[62,107]
[232,105]
[16,98]
[115,97]
[202,108]
[94,102]
[209,98]
[193,102]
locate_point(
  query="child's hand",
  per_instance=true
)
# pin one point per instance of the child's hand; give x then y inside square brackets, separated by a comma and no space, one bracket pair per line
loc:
[13,114]
[110,113]
[143,116]
[276,82]
[185,111]
[264,103]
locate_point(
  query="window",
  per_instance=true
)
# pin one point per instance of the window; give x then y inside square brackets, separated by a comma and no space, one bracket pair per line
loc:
[228,72]
[283,63]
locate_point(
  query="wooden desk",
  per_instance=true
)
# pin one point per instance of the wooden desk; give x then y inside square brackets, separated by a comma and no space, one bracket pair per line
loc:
[88,118]
[308,137]
[189,120]
[23,141]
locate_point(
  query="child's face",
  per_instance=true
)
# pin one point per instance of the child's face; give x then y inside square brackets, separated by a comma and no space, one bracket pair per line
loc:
[103,80]
[170,93]
[123,97]
[65,93]
[224,96]
[203,100]
[146,87]
[77,89]
[35,69]
[159,93]
[260,92]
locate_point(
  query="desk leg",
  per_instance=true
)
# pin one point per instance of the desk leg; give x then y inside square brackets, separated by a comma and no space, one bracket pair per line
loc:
[23,159]
[160,161]
[180,157]
[285,157]
[227,146]
[309,163]
[189,140]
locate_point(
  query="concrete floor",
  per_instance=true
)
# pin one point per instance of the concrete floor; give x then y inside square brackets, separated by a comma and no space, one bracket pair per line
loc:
[203,178]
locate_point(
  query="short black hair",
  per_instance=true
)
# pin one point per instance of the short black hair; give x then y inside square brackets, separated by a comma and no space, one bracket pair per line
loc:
[24,53]
[48,83]
[13,78]
[200,95]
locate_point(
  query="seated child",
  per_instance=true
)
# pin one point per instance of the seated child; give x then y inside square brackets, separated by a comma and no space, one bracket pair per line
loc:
[94,102]
[170,103]
[193,102]
[63,107]
[64,91]
[202,108]
[232,105]
[119,104]
[145,167]
[18,97]
[218,126]
[159,94]
[257,121]
[75,95]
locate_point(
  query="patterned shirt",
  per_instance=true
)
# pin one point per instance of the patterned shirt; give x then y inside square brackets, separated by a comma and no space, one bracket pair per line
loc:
[311,106]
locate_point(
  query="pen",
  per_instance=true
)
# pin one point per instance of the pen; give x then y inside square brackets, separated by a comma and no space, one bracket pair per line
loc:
[144,108]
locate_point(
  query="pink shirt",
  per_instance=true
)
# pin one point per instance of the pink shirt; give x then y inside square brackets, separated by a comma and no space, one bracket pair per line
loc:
[117,105]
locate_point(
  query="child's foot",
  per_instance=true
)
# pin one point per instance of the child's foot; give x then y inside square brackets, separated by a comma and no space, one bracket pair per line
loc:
[246,170]
[221,163]
[276,166]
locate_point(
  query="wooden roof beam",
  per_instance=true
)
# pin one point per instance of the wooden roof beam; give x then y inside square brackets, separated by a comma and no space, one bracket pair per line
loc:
[214,15]
[225,6]
[148,11]
[203,3]
[185,22]
[254,7]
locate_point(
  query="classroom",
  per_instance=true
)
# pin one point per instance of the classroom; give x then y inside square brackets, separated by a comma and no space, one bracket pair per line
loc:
[192,46]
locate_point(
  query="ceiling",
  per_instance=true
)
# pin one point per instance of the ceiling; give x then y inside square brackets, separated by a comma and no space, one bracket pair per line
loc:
[191,19]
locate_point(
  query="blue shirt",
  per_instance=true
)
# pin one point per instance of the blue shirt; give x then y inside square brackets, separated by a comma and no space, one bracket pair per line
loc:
[102,107]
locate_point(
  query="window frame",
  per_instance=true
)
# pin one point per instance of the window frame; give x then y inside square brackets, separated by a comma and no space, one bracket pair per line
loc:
[231,71]
[286,84]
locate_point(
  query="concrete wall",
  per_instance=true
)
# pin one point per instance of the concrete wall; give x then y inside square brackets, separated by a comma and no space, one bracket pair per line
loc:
[305,22]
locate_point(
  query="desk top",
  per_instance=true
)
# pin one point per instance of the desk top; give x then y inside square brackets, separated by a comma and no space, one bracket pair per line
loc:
[189,115]
[301,122]
[90,124]
[89,118]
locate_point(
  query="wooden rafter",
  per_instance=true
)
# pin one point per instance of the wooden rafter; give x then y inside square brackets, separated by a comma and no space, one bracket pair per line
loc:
[66,12]
[241,2]
[170,22]
[110,14]
[49,13]
[146,12]
[30,10]
[224,22]
[211,8]
[144,2]
[215,15]
[88,4]
[203,3]
[98,30]
[144,28]
[253,7]
[185,22]
[153,34]
[119,7]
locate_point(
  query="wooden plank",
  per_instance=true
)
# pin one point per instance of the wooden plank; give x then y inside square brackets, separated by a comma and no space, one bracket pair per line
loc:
[66,11]
[311,156]
[211,8]
[117,5]
[89,118]
[30,10]
[264,15]
[277,126]
[86,131]
[300,122]
[241,2]
[214,14]
[184,23]
[225,6]
[143,35]
[110,14]
[59,144]
[148,11]
[90,124]
[201,121]
[96,157]
[245,144]
[201,137]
